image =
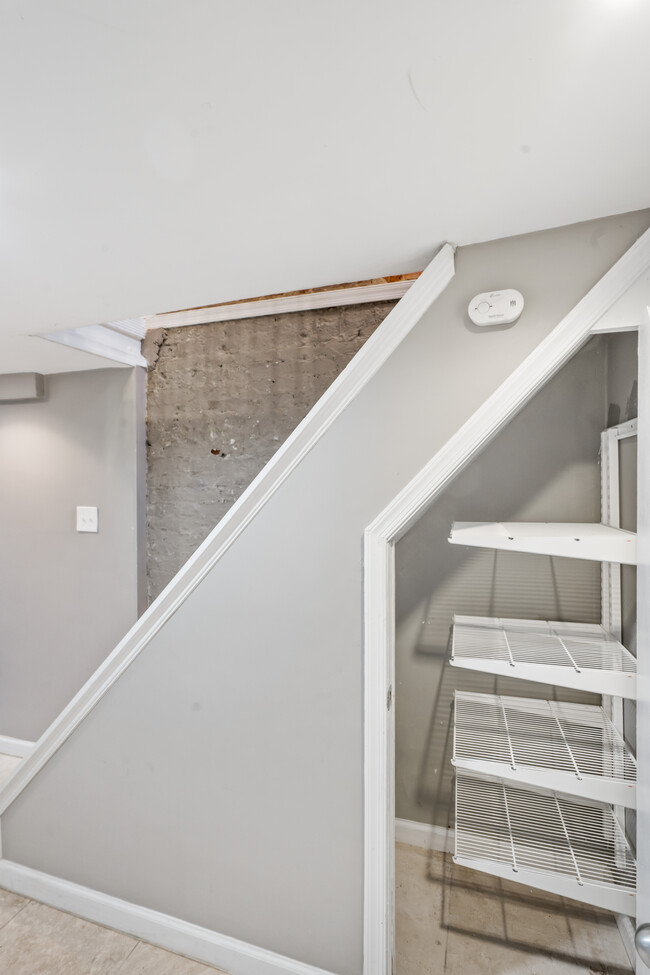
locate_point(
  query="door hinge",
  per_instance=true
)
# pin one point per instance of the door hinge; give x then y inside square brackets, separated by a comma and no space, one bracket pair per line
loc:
[389,698]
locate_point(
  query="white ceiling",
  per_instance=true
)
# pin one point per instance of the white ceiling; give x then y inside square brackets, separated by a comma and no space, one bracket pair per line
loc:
[160,154]
[29,353]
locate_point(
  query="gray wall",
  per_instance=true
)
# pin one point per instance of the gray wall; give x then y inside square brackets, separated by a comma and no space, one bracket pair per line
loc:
[220,779]
[238,388]
[542,467]
[66,598]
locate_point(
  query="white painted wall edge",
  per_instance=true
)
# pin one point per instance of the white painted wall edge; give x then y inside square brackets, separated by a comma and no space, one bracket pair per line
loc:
[426,836]
[382,291]
[101,340]
[345,388]
[643,635]
[379,581]
[159,929]
[17,747]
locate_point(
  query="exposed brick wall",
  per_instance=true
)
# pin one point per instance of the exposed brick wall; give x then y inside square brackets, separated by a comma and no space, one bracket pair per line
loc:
[221,399]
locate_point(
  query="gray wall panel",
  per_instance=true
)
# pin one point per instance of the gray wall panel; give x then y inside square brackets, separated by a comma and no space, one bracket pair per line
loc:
[66,598]
[221,778]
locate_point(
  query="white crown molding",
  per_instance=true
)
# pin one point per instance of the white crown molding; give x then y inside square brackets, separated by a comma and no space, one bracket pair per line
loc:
[17,747]
[167,932]
[101,340]
[379,582]
[362,294]
[345,388]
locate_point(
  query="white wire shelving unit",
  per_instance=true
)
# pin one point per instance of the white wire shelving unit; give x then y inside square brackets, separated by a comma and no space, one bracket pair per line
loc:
[600,543]
[571,748]
[582,656]
[542,787]
[545,840]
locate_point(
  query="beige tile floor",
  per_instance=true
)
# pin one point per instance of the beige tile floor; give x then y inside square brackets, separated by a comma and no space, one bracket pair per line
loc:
[38,940]
[454,921]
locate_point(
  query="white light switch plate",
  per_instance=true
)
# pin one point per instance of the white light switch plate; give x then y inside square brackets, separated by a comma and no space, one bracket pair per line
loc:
[86,519]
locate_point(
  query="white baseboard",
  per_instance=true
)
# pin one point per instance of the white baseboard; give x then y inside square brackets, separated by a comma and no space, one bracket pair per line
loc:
[167,932]
[15,746]
[426,836]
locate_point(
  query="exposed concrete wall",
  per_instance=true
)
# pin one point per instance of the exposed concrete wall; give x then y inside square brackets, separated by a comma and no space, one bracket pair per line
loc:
[221,399]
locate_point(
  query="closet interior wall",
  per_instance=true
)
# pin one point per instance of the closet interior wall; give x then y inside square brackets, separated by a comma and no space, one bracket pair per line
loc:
[543,467]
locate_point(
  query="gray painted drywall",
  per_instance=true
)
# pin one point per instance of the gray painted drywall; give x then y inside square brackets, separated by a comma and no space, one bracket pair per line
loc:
[220,779]
[66,598]
[542,467]
[238,388]
[23,386]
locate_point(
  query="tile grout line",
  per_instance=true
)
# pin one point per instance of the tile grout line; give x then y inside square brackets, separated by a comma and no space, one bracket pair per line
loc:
[14,916]
[121,964]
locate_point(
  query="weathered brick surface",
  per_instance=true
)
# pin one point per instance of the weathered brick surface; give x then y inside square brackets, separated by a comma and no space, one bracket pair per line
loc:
[221,399]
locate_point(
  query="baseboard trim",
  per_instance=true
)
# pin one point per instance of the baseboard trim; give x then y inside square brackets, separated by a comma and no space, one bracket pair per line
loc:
[15,746]
[171,933]
[424,835]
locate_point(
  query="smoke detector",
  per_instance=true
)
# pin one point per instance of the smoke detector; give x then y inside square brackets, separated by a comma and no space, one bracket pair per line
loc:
[496,307]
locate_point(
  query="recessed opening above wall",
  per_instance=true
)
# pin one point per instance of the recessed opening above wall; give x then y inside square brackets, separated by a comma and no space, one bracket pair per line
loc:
[22,386]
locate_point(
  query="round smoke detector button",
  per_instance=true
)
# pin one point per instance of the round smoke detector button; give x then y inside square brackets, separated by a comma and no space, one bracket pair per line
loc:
[496,307]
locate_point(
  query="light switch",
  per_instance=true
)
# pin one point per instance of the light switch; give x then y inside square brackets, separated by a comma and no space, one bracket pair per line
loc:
[86,519]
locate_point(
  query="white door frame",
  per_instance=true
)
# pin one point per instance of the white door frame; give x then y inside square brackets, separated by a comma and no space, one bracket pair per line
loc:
[379,584]
[643,633]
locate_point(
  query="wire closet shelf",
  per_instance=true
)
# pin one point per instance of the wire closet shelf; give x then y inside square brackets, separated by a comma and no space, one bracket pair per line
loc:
[545,840]
[583,656]
[573,748]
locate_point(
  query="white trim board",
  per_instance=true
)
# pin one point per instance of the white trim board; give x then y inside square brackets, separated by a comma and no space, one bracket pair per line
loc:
[362,294]
[134,328]
[379,582]
[101,340]
[345,388]
[167,932]
[424,835]
[17,747]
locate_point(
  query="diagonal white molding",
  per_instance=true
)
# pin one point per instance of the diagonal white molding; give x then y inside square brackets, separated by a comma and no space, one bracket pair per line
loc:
[379,347]
[379,581]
